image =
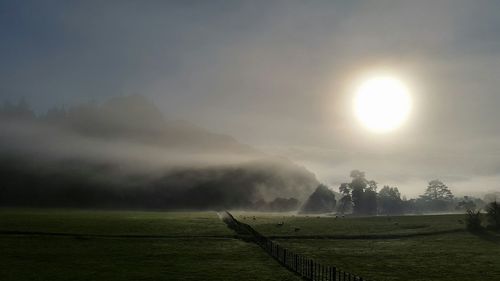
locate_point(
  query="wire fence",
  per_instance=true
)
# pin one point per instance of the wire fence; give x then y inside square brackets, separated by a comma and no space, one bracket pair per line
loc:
[307,268]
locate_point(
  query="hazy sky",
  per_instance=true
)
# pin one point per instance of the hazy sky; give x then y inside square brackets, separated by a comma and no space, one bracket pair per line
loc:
[278,75]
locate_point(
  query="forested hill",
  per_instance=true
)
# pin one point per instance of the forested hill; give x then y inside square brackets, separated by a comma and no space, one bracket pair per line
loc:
[124,153]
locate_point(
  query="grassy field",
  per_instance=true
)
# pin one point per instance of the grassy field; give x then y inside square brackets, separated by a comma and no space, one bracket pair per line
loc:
[130,245]
[114,222]
[396,249]
[267,224]
[61,245]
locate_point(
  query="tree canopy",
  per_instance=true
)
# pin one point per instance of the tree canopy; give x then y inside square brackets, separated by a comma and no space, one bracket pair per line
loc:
[361,192]
[437,197]
[437,190]
[322,200]
[389,201]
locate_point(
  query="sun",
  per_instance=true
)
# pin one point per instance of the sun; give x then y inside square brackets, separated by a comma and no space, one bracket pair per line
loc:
[382,103]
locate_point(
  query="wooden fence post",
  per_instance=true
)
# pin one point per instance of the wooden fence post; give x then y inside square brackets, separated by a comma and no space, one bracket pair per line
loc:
[320,272]
[315,267]
[302,263]
[311,269]
[299,264]
[315,275]
[305,267]
[322,267]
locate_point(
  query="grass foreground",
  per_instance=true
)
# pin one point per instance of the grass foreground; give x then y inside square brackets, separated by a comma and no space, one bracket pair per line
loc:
[430,248]
[132,245]
[94,245]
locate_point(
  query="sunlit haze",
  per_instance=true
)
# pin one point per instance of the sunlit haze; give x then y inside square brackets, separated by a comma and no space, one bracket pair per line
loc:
[382,103]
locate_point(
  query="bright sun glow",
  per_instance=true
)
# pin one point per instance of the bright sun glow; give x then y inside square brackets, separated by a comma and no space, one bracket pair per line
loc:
[382,103]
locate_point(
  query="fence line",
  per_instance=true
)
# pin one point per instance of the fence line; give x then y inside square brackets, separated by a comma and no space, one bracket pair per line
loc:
[307,268]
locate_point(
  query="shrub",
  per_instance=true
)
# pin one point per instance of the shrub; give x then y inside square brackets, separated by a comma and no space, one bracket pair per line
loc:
[493,214]
[473,220]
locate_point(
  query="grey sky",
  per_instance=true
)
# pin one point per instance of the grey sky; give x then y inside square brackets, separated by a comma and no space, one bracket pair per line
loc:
[277,75]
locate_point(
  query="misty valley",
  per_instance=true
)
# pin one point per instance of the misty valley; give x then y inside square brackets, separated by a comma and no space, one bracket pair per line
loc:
[123,154]
[59,167]
[262,140]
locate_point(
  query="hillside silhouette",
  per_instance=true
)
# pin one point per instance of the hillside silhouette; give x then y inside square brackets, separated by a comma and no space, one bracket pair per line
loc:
[124,153]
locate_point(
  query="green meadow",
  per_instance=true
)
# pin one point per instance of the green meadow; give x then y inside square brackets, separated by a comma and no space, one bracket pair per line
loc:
[133,245]
[431,248]
[113,245]
[301,225]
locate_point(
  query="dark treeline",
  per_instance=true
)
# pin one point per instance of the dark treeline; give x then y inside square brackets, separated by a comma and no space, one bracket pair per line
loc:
[123,154]
[75,184]
[362,197]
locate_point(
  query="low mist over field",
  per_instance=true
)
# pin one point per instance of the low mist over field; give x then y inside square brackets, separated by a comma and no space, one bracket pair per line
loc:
[123,153]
